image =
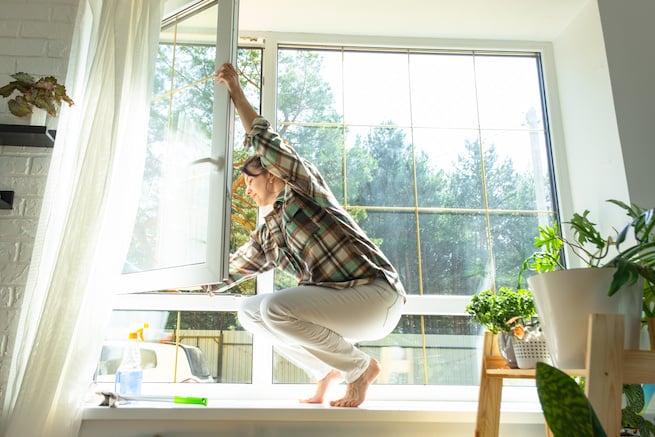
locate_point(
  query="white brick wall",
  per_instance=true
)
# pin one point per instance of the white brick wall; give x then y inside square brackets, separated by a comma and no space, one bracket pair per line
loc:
[35,37]
[23,170]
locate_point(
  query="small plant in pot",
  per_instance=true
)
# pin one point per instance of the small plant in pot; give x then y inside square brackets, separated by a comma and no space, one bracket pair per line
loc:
[529,342]
[493,309]
[45,93]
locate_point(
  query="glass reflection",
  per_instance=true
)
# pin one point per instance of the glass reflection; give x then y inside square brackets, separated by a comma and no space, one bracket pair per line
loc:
[171,223]
[180,346]
[422,350]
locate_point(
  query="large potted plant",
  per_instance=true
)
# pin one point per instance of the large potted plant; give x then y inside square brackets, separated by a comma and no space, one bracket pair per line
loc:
[44,94]
[612,280]
[494,309]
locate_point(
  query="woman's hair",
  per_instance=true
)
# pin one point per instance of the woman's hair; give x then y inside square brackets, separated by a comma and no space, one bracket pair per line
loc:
[253,166]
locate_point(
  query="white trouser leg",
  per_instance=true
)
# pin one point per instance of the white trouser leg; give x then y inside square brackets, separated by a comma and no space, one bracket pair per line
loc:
[314,327]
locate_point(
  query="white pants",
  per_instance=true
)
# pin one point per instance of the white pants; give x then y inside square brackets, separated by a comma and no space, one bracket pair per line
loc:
[315,327]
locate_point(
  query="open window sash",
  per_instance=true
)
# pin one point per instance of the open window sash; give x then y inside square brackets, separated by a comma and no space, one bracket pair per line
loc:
[181,233]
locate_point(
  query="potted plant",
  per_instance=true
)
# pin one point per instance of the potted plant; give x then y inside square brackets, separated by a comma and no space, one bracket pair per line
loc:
[493,309]
[529,342]
[45,93]
[564,297]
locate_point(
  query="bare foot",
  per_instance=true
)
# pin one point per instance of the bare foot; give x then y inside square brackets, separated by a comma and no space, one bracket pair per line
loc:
[356,390]
[321,387]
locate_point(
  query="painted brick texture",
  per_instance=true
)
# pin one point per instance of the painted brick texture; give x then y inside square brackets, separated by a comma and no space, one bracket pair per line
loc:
[35,37]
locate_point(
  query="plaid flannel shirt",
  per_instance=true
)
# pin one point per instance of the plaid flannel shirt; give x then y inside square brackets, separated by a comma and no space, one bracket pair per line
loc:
[307,233]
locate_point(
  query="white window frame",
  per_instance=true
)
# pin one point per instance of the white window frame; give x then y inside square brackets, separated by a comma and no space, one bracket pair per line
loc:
[522,392]
[214,268]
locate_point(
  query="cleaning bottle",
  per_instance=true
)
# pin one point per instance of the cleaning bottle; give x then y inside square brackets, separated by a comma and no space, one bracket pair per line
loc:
[129,376]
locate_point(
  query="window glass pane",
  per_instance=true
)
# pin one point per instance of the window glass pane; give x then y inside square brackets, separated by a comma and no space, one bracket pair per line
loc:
[379,167]
[516,170]
[443,91]
[454,253]
[172,217]
[249,66]
[509,249]
[285,372]
[310,87]
[509,92]
[422,350]
[429,350]
[375,89]
[448,168]
[180,346]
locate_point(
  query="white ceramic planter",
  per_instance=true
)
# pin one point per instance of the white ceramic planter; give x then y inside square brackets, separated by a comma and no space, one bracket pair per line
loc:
[565,298]
[38,117]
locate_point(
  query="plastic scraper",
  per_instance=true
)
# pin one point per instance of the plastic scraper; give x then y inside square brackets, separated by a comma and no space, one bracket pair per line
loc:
[112,399]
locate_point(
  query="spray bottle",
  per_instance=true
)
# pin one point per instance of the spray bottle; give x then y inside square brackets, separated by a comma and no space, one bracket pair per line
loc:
[129,376]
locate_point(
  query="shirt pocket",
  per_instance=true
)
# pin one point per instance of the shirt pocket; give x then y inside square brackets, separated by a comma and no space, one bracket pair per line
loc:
[303,228]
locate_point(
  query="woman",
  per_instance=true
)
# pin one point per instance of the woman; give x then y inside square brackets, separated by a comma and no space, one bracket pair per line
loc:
[347,289]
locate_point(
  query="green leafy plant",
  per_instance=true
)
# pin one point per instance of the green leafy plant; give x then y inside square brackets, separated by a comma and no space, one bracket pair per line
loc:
[567,410]
[493,309]
[45,93]
[631,263]
[632,413]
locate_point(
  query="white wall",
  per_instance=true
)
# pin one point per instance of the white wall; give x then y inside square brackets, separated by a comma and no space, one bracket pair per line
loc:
[629,40]
[590,162]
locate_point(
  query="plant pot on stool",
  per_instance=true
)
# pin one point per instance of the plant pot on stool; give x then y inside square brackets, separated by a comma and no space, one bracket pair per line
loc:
[564,300]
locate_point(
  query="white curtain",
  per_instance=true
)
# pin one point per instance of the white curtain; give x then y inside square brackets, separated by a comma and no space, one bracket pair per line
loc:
[86,217]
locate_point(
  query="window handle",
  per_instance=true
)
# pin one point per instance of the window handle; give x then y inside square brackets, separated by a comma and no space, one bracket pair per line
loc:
[217,162]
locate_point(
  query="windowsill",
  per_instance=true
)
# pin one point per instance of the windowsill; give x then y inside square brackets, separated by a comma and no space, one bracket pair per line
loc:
[287,410]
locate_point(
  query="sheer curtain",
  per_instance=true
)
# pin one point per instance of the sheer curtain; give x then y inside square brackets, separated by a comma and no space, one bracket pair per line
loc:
[86,217]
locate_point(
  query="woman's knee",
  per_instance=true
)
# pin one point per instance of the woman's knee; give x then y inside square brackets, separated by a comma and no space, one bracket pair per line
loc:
[249,310]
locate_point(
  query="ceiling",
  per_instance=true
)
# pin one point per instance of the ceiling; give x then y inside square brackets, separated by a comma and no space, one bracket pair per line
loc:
[536,20]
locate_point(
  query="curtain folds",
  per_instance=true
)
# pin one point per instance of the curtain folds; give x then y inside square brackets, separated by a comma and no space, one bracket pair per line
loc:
[86,218]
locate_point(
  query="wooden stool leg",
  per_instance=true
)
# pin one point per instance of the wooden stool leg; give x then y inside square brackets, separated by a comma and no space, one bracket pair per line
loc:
[490,394]
[604,363]
[488,419]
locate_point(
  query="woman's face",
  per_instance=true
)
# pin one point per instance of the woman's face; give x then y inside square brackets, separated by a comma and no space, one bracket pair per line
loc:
[261,188]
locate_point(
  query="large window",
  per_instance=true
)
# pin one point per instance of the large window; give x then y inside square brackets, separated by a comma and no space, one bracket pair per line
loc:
[442,157]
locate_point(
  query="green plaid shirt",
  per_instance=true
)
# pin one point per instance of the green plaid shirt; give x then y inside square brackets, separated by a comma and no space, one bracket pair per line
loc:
[307,233]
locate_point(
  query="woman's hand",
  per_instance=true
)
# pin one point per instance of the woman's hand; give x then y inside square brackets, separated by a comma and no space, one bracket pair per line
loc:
[228,75]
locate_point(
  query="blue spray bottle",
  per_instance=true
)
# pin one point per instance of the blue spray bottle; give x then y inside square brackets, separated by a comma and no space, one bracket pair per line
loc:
[129,376]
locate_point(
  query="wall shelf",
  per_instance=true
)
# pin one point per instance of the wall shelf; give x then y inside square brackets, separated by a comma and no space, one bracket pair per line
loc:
[26,136]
